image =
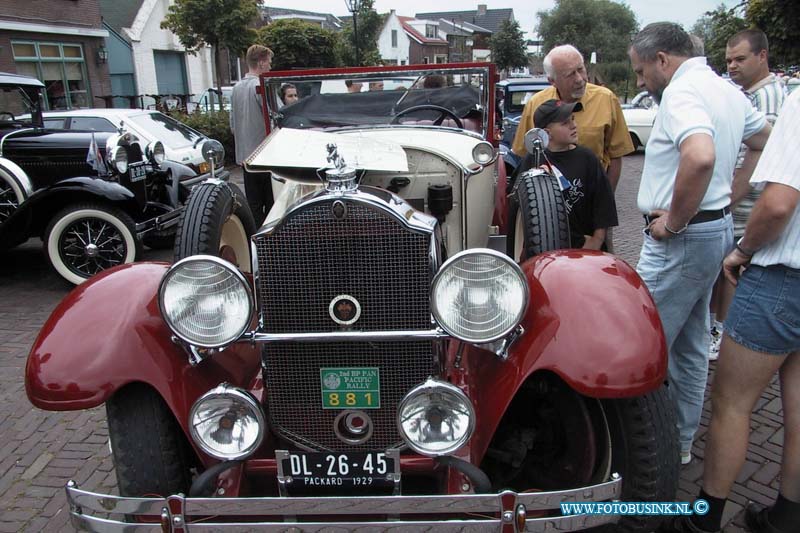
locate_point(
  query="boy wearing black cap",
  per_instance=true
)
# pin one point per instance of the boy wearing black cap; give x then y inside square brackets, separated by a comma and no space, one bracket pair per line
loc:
[589,199]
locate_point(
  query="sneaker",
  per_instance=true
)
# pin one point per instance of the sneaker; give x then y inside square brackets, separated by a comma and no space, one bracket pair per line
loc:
[716,341]
[755,516]
[686,458]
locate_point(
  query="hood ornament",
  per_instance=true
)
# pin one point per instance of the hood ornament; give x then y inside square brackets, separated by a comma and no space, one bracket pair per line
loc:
[341,177]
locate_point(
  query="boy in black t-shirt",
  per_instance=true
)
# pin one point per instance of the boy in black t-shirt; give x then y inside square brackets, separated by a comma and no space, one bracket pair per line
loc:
[589,199]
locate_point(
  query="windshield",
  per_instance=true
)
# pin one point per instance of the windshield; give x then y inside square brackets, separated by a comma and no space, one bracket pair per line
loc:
[15,106]
[519,95]
[166,129]
[447,97]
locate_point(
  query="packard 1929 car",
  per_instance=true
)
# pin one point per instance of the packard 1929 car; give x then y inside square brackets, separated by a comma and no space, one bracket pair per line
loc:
[403,345]
[93,197]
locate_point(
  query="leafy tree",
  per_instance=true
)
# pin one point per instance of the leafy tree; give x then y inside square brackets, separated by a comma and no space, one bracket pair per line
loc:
[600,26]
[215,23]
[508,46]
[715,28]
[778,19]
[299,44]
[369,27]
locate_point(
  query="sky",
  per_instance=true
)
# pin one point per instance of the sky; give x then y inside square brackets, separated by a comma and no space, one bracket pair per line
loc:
[685,12]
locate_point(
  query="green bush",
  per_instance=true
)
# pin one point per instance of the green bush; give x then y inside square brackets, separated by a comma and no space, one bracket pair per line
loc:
[215,125]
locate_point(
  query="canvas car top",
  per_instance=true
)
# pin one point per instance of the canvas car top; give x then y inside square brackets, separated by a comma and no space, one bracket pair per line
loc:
[377,107]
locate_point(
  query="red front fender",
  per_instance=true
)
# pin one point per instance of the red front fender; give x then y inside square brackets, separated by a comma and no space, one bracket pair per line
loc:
[108,332]
[590,320]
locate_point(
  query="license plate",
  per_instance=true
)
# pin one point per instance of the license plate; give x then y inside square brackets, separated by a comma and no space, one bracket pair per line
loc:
[137,173]
[301,470]
[350,388]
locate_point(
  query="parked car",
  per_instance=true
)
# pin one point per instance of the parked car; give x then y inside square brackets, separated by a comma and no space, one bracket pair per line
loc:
[514,93]
[93,197]
[382,359]
[181,143]
[210,98]
[640,115]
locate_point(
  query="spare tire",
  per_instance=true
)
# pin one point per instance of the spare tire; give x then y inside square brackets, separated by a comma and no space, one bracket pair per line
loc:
[538,221]
[217,221]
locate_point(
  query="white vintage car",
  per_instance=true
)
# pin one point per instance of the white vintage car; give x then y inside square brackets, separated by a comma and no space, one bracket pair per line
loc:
[640,115]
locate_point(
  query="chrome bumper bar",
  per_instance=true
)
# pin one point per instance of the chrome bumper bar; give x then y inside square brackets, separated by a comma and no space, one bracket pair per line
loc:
[467,512]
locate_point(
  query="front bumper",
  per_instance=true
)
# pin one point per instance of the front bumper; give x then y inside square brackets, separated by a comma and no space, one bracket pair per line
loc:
[504,511]
[191,181]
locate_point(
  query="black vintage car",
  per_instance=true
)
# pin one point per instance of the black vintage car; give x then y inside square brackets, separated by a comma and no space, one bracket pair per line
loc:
[93,197]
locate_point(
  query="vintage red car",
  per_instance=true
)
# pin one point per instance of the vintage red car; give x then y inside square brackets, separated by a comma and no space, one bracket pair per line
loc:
[381,354]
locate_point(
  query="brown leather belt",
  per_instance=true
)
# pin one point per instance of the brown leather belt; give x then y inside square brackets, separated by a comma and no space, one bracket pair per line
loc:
[701,216]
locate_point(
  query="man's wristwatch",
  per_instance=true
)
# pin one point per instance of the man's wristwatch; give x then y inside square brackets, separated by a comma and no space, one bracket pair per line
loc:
[744,251]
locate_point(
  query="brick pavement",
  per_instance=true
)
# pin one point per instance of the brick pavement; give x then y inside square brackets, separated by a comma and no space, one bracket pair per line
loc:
[41,450]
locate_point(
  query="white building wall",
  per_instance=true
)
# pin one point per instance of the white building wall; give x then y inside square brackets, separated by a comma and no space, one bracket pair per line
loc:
[146,35]
[399,53]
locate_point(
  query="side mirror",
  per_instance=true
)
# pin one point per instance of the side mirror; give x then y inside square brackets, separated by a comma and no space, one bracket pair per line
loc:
[536,140]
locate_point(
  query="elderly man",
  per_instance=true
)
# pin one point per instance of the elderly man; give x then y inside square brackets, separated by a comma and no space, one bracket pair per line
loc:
[685,195]
[601,126]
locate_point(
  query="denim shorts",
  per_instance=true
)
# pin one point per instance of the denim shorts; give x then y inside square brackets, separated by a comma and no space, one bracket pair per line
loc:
[765,313]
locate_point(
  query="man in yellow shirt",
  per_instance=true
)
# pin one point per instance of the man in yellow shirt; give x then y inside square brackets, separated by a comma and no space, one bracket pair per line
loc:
[601,126]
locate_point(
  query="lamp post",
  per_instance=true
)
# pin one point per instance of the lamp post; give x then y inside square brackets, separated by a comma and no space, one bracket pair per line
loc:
[354,6]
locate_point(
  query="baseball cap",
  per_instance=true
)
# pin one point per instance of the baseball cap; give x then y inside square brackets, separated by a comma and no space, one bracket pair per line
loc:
[554,111]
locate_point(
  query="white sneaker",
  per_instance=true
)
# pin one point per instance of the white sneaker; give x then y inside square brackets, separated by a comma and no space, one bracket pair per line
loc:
[686,458]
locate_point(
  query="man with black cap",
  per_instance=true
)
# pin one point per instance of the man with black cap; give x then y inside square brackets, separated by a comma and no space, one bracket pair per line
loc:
[588,196]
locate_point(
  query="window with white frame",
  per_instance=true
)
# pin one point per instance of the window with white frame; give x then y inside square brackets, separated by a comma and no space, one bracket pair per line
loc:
[60,66]
[440,58]
[394,38]
[430,31]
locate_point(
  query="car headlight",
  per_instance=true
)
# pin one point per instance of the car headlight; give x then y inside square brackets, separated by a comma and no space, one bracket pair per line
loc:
[119,159]
[479,296]
[155,152]
[483,153]
[435,418]
[227,423]
[206,301]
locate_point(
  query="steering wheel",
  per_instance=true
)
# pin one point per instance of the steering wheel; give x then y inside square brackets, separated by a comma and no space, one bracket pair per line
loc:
[443,113]
[5,116]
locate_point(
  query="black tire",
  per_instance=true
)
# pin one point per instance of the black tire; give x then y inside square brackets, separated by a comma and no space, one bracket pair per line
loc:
[636,142]
[217,221]
[538,221]
[70,233]
[543,442]
[151,454]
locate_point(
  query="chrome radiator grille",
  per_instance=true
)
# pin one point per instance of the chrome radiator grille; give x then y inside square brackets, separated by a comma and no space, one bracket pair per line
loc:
[309,260]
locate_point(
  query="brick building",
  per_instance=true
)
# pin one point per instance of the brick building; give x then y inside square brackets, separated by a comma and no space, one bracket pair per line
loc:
[62,43]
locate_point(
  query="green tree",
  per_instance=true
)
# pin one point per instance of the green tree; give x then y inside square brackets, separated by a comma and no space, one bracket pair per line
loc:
[215,23]
[298,44]
[508,46]
[779,20]
[600,26]
[369,27]
[715,28]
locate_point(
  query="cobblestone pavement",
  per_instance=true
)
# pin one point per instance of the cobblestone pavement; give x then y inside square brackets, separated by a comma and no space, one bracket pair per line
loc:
[41,450]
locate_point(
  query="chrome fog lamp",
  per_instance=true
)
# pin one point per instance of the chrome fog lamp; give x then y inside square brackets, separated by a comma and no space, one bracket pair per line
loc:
[227,423]
[119,158]
[435,418]
[205,301]
[483,153]
[213,152]
[479,296]
[155,152]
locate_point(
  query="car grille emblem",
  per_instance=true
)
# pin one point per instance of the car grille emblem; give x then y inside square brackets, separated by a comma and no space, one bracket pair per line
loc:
[339,210]
[344,310]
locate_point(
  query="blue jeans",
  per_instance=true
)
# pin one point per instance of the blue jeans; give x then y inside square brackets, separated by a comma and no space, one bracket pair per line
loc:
[680,273]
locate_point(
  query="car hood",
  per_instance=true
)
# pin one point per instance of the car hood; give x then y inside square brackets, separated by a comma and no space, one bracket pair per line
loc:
[41,141]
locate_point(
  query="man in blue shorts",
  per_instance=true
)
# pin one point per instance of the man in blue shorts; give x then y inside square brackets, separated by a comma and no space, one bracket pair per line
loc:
[762,336]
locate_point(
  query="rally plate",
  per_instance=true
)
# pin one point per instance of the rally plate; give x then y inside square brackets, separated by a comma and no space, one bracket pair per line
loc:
[352,470]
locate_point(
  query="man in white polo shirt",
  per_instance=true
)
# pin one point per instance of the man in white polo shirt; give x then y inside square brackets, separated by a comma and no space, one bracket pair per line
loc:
[762,336]
[685,194]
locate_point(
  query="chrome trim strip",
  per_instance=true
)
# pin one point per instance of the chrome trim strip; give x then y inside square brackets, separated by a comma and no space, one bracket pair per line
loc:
[345,336]
[81,501]
[11,134]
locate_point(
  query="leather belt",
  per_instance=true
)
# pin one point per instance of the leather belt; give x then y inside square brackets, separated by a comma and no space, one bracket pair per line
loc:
[701,216]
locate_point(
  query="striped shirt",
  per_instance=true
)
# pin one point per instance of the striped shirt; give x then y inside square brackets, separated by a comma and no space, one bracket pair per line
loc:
[780,163]
[767,96]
